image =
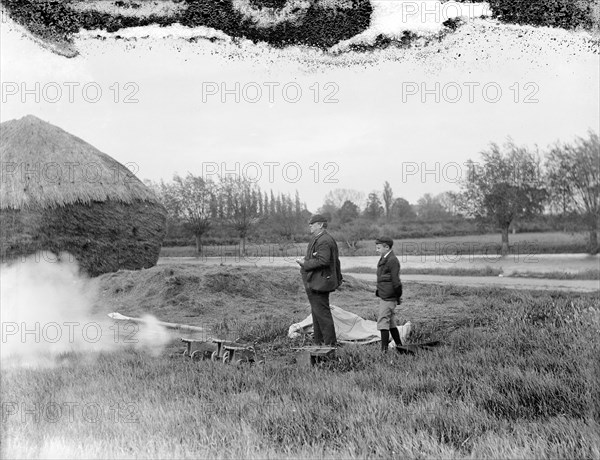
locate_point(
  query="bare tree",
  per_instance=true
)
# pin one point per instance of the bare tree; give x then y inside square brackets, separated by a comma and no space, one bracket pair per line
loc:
[388,199]
[291,220]
[241,206]
[573,173]
[189,199]
[429,207]
[337,197]
[374,209]
[447,202]
[506,186]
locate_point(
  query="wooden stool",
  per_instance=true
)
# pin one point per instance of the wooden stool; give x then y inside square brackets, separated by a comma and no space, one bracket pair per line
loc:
[318,353]
[196,354]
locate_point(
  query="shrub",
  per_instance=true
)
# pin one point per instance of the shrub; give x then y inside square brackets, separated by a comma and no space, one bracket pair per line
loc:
[353,232]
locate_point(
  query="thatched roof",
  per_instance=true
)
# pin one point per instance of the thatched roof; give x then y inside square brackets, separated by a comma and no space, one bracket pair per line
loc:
[45,166]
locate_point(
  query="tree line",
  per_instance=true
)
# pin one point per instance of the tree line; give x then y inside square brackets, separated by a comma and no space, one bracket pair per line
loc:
[230,207]
[510,184]
[514,183]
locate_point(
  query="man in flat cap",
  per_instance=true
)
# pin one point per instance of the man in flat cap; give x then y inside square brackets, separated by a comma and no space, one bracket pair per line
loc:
[389,291]
[321,275]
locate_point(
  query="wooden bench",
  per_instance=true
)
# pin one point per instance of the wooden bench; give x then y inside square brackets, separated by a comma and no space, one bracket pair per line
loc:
[220,350]
[317,354]
[234,352]
[205,351]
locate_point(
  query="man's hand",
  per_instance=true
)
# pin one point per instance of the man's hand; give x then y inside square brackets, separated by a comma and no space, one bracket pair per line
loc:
[398,291]
[300,261]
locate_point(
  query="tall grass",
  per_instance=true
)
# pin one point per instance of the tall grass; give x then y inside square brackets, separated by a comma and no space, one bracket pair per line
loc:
[517,378]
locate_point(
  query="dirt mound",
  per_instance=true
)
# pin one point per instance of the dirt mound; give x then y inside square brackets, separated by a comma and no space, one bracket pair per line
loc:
[191,294]
[195,294]
[253,282]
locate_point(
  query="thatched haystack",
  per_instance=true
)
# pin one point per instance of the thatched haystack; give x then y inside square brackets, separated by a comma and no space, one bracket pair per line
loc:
[60,194]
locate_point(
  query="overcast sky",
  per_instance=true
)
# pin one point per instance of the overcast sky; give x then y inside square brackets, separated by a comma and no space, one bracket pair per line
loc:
[375,127]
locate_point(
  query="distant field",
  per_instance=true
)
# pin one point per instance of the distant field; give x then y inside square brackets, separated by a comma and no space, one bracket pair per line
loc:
[517,378]
[489,244]
[519,243]
[487,271]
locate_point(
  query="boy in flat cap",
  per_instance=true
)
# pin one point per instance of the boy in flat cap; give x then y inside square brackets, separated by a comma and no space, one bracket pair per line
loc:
[389,291]
[321,275]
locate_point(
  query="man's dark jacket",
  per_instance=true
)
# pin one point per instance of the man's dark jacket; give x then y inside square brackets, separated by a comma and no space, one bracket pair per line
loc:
[321,270]
[389,286]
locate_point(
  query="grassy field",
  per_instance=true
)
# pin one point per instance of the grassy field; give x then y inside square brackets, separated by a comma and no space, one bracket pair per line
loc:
[558,275]
[486,271]
[521,244]
[517,378]
[489,244]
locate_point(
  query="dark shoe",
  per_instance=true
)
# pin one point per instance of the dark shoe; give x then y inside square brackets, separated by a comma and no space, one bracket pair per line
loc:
[404,350]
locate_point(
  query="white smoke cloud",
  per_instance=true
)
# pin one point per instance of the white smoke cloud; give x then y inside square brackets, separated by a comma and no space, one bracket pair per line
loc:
[152,337]
[47,311]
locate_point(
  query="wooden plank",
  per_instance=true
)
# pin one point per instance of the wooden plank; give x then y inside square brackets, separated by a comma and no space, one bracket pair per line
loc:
[315,348]
[321,352]
[186,340]
[225,342]
[237,348]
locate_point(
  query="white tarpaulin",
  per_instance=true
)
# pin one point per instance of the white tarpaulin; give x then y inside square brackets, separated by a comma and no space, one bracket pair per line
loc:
[349,328]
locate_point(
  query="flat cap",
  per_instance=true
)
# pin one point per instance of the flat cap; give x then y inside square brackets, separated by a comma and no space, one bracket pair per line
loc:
[385,240]
[317,218]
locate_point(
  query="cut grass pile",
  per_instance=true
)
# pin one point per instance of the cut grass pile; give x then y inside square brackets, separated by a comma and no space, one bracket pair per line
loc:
[184,294]
[220,298]
[518,378]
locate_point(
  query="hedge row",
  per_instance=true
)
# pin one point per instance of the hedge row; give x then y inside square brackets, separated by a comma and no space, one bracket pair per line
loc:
[415,229]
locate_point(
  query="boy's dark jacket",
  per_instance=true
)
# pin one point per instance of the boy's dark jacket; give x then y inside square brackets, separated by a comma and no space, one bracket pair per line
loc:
[321,270]
[389,286]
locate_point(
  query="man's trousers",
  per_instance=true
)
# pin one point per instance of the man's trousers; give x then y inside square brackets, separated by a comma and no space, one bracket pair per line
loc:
[324,329]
